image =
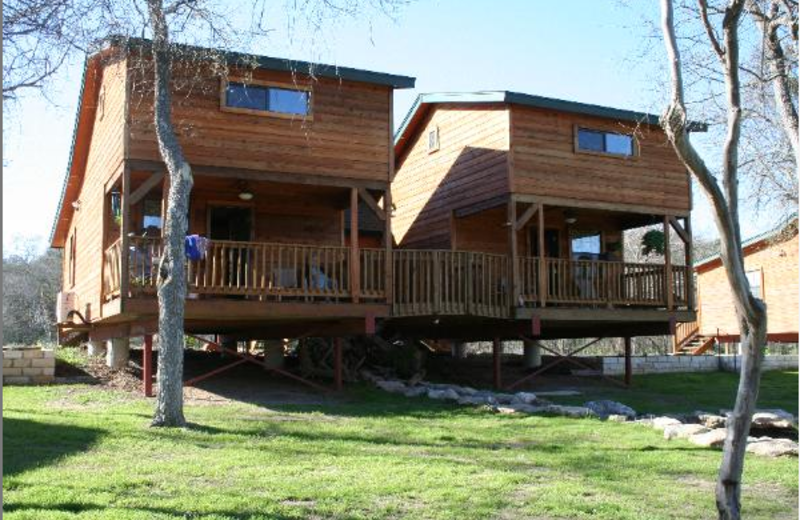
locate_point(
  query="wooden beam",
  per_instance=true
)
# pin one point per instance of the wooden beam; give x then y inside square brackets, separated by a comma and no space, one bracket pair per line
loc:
[497,353]
[667,265]
[628,364]
[355,264]
[372,203]
[625,208]
[125,239]
[689,261]
[147,366]
[263,175]
[542,259]
[526,216]
[146,186]
[679,229]
[513,251]
[337,364]
[388,238]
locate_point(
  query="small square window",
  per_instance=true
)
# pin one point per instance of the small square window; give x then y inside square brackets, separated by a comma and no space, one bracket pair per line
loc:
[433,140]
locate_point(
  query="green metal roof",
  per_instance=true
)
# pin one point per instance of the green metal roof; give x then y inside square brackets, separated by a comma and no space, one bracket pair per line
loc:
[516,98]
[766,235]
[282,64]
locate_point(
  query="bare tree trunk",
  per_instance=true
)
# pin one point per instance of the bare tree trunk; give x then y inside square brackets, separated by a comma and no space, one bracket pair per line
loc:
[750,311]
[172,270]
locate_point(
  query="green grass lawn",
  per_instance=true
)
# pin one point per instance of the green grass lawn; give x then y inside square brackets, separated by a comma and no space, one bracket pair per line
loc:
[686,393]
[82,451]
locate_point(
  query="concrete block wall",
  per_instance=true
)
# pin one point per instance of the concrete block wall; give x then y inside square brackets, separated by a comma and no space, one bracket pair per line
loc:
[615,366]
[732,363]
[28,365]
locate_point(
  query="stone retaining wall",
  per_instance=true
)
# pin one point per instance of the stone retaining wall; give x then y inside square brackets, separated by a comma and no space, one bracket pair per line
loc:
[28,365]
[615,366]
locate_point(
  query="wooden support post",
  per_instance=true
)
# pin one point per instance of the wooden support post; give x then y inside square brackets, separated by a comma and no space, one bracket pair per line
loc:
[337,364]
[147,365]
[389,244]
[667,265]
[124,280]
[497,352]
[355,264]
[542,259]
[628,367]
[514,251]
[687,225]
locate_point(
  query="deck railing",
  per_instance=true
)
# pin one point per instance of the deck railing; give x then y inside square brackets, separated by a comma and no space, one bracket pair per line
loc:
[428,282]
[265,270]
[373,273]
[596,282]
[425,282]
[111,271]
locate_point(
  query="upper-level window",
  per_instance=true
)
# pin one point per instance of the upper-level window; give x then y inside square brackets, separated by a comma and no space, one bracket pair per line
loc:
[605,142]
[249,97]
[433,139]
[754,279]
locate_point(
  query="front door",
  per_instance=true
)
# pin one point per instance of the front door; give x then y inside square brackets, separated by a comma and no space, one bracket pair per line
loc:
[234,223]
[230,223]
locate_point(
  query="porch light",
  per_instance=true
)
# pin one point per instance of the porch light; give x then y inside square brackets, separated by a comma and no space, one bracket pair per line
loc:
[246,195]
[570,217]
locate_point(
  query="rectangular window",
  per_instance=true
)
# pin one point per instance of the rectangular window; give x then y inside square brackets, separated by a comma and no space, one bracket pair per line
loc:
[586,245]
[605,142]
[754,279]
[267,99]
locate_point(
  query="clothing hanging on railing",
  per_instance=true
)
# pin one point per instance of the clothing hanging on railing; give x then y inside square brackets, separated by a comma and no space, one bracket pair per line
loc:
[196,247]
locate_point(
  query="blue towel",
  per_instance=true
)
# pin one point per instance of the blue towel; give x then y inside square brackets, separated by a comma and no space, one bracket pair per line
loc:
[193,250]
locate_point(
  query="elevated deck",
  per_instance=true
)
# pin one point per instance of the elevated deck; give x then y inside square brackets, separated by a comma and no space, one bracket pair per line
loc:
[260,289]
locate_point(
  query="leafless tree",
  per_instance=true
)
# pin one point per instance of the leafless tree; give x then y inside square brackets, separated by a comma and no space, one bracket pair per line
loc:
[31,280]
[724,199]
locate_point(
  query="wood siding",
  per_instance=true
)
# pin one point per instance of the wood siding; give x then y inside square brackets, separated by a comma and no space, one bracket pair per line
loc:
[470,167]
[345,137]
[103,161]
[778,264]
[546,164]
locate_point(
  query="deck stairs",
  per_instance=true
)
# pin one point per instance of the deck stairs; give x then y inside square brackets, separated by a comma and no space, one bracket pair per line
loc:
[695,345]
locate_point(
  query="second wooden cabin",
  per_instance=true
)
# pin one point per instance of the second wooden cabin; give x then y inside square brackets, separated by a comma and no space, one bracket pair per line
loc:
[528,199]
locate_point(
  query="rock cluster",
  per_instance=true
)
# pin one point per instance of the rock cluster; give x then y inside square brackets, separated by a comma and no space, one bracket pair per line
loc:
[701,428]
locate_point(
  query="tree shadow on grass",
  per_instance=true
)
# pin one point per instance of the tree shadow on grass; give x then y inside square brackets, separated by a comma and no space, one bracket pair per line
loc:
[31,444]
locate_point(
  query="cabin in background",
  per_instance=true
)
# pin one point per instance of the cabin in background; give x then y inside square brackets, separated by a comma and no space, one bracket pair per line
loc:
[531,196]
[771,264]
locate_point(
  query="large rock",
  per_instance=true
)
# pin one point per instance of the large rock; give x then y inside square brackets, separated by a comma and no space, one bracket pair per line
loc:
[521,408]
[569,411]
[712,439]
[768,447]
[559,393]
[504,398]
[604,408]
[466,390]
[447,394]
[474,400]
[778,419]
[394,387]
[661,423]
[710,420]
[415,391]
[683,431]
[525,398]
